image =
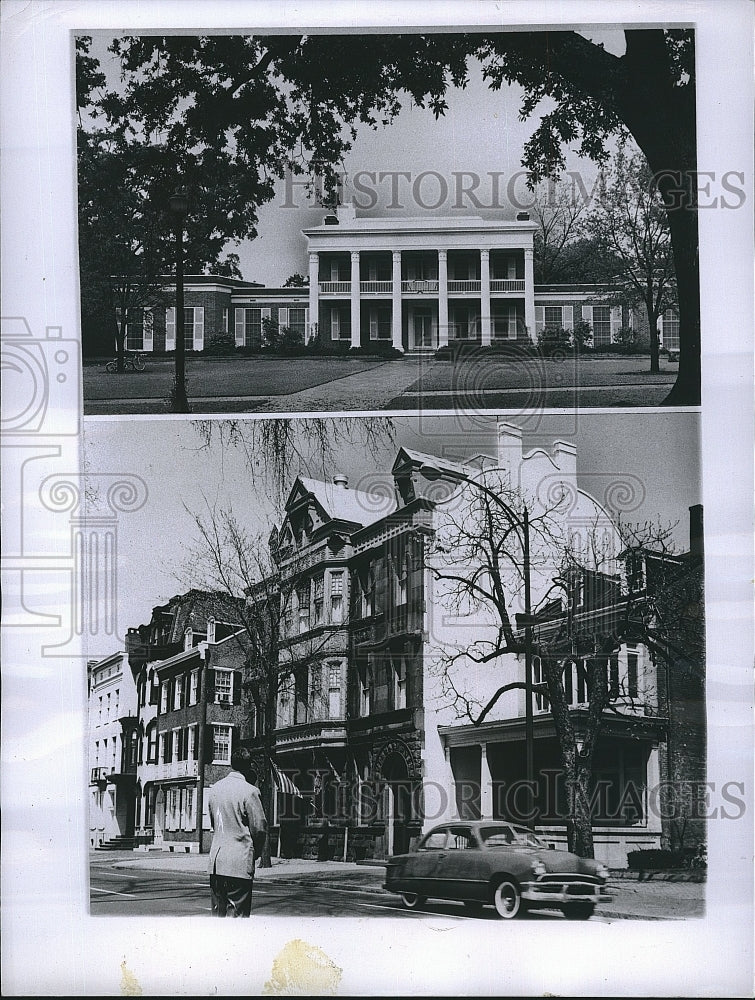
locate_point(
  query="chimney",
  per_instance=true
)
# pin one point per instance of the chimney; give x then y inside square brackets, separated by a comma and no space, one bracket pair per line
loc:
[509,449]
[696,542]
[340,481]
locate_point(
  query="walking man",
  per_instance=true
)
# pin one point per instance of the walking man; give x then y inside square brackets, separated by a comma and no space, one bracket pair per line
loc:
[239,830]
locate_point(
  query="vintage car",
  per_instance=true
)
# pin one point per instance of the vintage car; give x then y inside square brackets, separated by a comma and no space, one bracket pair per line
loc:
[492,861]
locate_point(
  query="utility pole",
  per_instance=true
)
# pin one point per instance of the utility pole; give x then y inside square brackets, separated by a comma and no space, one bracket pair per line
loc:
[201,731]
[529,735]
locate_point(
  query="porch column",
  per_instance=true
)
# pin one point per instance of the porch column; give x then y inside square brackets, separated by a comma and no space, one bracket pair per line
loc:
[450,811]
[314,291]
[442,298]
[529,293]
[355,300]
[398,340]
[486,784]
[485,296]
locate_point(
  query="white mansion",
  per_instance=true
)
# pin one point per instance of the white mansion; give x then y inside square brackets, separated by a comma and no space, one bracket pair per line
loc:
[414,284]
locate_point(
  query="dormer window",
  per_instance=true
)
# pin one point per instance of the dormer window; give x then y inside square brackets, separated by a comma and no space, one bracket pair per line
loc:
[188,638]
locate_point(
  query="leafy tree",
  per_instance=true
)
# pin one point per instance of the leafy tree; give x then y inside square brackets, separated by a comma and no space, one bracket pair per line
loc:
[629,222]
[296,281]
[252,107]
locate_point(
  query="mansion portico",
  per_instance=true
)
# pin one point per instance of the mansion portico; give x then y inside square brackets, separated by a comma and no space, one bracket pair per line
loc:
[421,282]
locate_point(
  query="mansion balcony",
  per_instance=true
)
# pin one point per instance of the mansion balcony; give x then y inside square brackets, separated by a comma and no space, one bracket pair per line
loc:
[423,286]
[314,735]
[177,769]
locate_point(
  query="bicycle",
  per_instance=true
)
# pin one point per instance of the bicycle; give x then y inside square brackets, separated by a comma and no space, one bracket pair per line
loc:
[133,361]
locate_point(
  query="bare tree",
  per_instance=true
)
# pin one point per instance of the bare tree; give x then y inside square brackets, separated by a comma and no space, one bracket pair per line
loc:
[546,586]
[558,209]
[629,222]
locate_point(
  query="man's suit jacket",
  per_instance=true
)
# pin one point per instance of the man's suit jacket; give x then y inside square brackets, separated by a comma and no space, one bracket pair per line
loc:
[238,824]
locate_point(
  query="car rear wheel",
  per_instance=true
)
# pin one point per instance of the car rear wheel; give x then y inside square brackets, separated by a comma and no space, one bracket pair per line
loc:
[412,901]
[579,911]
[507,899]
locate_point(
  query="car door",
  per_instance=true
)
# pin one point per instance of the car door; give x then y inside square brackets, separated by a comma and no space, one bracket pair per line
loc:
[460,868]
[424,867]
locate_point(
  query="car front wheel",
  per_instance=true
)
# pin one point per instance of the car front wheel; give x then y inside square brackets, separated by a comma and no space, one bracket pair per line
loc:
[507,899]
[579,911]
[412,901]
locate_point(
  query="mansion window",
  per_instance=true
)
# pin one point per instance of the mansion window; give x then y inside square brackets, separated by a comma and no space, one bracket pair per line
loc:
[286,701]
[334,690]
[152,743]
[318,590]
[221,744]
[223,687]
[340,322]
[368,594]
[296,320]
[302,602]
[554,318]
[193,687]
[166,747]
[365,686]
[164,697]
[178,691]
[193,324]
[336,597]
[380,322]
[670,330]
[399,664]
[601,325]
[402,581]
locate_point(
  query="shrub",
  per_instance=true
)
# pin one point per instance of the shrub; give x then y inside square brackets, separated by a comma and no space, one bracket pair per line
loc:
[375,350]
[270,334]
[291,341]
[582,335]
[551,340]
[219,344]
[658,859]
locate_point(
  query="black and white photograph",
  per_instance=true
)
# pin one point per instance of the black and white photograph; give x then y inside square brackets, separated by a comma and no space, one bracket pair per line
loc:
[377,452]
[396,221]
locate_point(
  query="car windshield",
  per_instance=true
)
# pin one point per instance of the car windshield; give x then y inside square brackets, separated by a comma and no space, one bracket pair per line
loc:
[505,836]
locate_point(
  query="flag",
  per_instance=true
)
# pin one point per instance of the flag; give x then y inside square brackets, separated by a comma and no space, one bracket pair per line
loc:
[284,783]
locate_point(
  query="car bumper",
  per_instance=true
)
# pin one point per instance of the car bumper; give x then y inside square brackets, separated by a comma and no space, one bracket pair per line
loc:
[563,892]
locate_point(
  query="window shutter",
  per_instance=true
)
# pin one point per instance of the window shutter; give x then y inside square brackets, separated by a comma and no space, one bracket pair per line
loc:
[209,680]
[615,322]
[539,318]
[148,331]
[587,315]
[283,316]
[170,328]
[236,687]
[185,690]
[373,323]
[630,317]
[240,317]
[198,328]
[568,317]
[209,744]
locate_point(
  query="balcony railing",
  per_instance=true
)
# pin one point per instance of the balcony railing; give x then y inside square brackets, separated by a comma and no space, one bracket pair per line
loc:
[335,287]
[507,284]
[376,287]
[177,769]
[468,285]
[328,731]
[99,774]
[420,285]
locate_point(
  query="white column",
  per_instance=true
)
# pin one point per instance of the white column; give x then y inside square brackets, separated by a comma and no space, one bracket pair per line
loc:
[355,300]
[442,298]
[485,296]
[314,290]
[529,293]
[398,340]
[450,786]
[486,785]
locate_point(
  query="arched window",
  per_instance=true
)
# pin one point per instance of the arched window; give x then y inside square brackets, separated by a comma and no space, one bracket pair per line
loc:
[152,742]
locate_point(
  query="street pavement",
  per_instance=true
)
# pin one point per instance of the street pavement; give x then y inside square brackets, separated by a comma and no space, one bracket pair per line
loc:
[303,385]
[180,883]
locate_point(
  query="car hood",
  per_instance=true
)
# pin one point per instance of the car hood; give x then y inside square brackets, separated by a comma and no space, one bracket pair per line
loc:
[557,861]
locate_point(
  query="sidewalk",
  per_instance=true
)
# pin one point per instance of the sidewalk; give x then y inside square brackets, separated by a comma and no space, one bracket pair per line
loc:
[632,899]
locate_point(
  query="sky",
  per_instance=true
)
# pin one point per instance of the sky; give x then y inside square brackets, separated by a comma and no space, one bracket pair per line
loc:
[480,134]
[655,454]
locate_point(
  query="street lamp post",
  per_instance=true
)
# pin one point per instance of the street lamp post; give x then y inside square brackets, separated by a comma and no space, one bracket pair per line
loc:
[179,205]
[522,524]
